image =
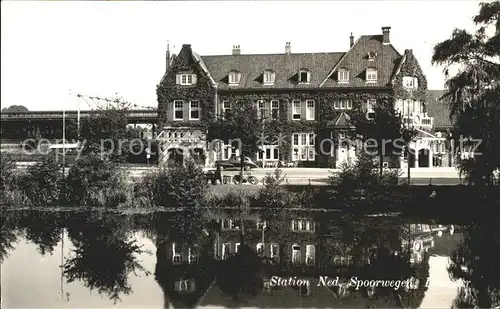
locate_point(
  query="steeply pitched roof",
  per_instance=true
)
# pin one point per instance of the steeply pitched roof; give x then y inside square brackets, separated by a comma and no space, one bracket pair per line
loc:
[286,66]
[356,61]
[438,109]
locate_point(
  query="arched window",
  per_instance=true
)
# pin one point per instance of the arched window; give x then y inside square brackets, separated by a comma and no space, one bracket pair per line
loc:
[234,77]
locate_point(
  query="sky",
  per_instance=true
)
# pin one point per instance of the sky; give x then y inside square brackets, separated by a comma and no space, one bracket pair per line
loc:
[53,50]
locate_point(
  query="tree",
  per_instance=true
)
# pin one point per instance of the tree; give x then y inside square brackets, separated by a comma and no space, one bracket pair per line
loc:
[15,108]
[106,132]
[183,185]
[93,181]
[240,124]
[383,130]
[42,182]
[474,92]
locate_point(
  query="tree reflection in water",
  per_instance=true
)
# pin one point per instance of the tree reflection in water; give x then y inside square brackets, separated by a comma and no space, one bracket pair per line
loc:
[8,234]
[43,229]
[476,261]
[104,254]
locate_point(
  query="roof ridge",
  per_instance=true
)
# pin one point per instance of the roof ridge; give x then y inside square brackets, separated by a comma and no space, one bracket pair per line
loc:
[275,54]
[338,62]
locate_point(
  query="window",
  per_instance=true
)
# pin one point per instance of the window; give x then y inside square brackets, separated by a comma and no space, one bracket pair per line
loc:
[236,247]
[371,75]
[371,56]
[226,106]
[273,250]
[303,147]
[226,250]
[178,110]
[410,82]
[192,256]
[310,110]
[268,153]
[295,254]
[304,76]
[194,110]
[296,110]
[176,255]
[343,260]
[260,248]
[342,104]
[310,254]
[185,286]
[275,109]
[302,225]
[186,79]
[261,225]
[343,76]
[269,77]
[370,105]
[234,78]
[262,109]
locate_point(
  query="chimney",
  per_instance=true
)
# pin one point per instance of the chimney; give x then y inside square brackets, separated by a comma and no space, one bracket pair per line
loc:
[288,48]
[236,50]
[168,55]
[351,40]
[385,34]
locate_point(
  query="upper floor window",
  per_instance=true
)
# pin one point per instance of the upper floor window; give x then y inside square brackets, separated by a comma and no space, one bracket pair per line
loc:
[269,77]
[296,108]
[262,109]
[370,112]
[275,109]
[410,82]
[343,76]
[342,104]
[178,110]
[185,286]
[304,76]
[194,110]
[226,106]
[371,75]
[302,225]
[234,77]
[371,56]
[186,79]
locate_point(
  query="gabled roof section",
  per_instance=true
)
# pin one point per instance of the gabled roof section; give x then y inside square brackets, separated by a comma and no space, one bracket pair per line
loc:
[204,67]
[286,66]
[438,109]
[342,121]
[356,61]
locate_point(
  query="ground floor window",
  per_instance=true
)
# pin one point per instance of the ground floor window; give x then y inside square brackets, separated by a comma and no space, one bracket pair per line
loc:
[303,146]
[269,153]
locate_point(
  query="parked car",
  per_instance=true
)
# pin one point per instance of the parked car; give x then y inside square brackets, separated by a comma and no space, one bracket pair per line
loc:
[235,162]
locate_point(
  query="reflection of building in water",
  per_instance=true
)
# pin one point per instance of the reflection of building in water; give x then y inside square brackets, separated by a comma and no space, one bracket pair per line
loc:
[182,273]
[417,239]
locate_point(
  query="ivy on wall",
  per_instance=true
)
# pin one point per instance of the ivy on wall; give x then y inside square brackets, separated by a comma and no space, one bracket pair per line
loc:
[411,68]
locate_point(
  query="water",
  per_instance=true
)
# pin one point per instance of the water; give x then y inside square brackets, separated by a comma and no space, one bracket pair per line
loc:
[225,260]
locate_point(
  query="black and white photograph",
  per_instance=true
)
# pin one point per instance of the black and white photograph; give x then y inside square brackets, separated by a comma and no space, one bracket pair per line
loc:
[250,154]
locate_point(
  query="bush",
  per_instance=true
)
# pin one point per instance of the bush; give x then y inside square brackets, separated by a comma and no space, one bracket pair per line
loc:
[42,182]
[93,181]
[274,194]
[183,185]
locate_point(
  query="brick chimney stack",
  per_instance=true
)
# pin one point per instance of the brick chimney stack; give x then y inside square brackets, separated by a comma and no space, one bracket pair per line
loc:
[168,55]
[236,50]
[351,40]
[288,48]
[385,34]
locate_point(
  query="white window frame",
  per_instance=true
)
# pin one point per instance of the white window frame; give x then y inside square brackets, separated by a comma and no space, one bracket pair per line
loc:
[269,77]
[192,109]
[234,78]
[349,104]
[260,248]
[261,225]
[342,104]
[294,111]
[310,109]
[226,250]
[261,106]
[192,258]
[308,77]
[273,151]
[186,79]
[343,76]
[178,109]
[176,256]
[372,56]
[296,256]
[275,106]
[303,148]
[302,225]
[371,75]
[310,254]
[236,247]
[185,285]
[274,250]
[410,82]
[224,108]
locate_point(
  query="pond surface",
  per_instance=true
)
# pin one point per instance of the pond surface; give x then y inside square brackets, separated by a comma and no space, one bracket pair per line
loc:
[226,259]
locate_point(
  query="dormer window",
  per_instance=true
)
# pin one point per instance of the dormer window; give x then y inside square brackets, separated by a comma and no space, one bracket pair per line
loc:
[410,82]
[372,56]
[186,79]
[234,77]
[304,76]
[371,75]
[269,77]
[343,75]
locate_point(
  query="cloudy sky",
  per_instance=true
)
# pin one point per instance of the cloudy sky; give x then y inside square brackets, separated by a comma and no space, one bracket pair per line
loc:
[52,49]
